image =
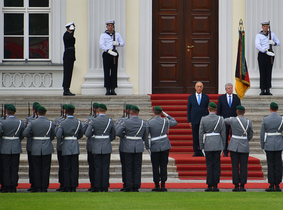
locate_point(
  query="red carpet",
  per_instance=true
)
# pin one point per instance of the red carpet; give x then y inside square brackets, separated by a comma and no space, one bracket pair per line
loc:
[168,185]
[181,140]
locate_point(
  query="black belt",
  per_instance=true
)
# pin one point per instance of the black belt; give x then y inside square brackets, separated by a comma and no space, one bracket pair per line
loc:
[69,48]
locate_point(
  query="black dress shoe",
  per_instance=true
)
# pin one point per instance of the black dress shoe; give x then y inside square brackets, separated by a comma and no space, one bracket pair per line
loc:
[123,189]
[135,190]
[236,188]
[208,189]
[44,190]
[13,190]
[66,189]
[277,188]
[156,189]
[6,190]
[268,93]
[95,190]
[68,93]
[73,189]
[30,189]
[113,91]
[163,189]
[60,189]
[215,188]
[90,189]
[108,92]
[270,189]
[104,190]
[128,190]
[262,93]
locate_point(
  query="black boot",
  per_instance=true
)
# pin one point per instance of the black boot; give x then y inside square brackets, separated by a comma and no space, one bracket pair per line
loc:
[242,188]
[215,188]
[68,93]
[156,188]
[113,91]
[107,92]
[163,189]
[236,188]
[262,92]
[268,92]
[209,188]
[270,189]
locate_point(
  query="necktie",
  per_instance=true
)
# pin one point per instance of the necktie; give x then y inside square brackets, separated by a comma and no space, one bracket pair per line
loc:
[230,102]
[199,99]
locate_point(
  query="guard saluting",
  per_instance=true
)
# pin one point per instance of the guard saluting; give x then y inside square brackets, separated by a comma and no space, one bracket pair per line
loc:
[42,132]
[69,131]
[272,143]
[134,131]
[11,132]
[103,130]
[159,146]
[242,133]
[69,57]
[212,138]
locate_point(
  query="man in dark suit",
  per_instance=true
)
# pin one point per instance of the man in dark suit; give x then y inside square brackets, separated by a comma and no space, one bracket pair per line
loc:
[197,108]
[226,108]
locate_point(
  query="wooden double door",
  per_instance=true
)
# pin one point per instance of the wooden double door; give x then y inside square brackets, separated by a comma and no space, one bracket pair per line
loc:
[185,45]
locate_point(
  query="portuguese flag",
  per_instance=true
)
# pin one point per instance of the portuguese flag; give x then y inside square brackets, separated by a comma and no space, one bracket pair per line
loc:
[241,74]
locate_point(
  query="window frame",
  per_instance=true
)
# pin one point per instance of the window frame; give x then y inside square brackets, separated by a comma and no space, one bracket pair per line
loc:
[25,10]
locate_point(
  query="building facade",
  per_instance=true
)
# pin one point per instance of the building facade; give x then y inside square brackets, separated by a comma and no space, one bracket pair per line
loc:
[156,52]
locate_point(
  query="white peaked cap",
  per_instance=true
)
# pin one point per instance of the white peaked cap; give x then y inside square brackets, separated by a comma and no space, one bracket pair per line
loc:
[110,21]
[68,24]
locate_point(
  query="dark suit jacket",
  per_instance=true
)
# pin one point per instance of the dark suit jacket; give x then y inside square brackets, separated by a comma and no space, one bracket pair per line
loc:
[223,108]
[194,111]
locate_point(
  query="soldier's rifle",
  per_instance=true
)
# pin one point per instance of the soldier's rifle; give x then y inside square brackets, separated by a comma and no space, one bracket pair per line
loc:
[270,45]
[28,109]
[2,111]
[90,108]
[124,110]
[62,112]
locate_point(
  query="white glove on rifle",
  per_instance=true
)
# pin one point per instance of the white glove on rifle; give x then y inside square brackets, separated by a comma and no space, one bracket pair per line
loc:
[112,53]
[270,53]
[165,114]
[115,43]
[271,42]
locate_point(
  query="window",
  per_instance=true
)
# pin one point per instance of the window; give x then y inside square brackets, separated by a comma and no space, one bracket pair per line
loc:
[26,29]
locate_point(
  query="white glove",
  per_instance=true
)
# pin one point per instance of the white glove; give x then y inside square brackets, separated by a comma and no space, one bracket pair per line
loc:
[164,113]
[271,42]
[112,53]
[270,53]
[115,43]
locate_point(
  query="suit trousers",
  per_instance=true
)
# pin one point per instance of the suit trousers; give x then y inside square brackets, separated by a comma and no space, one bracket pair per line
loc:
[61,168]
[274,164]
[71,170]
[133,164]
[101,172]
[213,168]
[122,160]
[228,129]
[31,169]
[10,170]
[1,170]
[90,168]
[195,129]
[110,70]
[265,70]
[159,162]
[68,65]
[41,166]
[242,158]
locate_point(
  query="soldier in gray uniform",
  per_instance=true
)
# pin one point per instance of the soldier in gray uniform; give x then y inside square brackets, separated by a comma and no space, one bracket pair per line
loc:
[103,130]
[69,131]
[42,132]
[28,146]
[272,143]
[11,131]
[212,138]
[242,131]
[88,145]
[57,122]
[159,145]
[133,131]
[122,159]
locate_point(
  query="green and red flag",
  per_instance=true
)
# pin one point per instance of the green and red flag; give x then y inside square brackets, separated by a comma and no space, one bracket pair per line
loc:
[241,74]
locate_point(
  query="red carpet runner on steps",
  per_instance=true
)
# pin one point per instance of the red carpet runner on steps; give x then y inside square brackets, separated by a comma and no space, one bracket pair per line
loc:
[181,140]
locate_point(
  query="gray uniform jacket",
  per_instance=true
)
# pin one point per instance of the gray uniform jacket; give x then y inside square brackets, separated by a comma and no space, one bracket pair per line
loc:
[128,129]
[96,128]
[270,124]
[11,127]
[154,128]
[85,125]
[57,122]
[207,126]
[69,128]
[117,125]
[236,144]
[28,145]
[1,119]
[39,130]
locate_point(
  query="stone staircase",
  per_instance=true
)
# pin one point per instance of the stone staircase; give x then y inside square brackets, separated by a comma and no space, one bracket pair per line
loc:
[115,106]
